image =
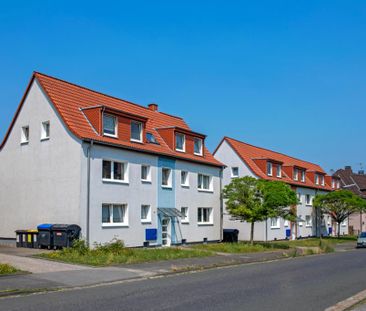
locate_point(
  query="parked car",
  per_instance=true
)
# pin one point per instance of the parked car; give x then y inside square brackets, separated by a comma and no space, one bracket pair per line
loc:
[361,241]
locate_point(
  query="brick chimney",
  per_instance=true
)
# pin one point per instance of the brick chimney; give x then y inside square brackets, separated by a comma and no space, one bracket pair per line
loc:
[153,107]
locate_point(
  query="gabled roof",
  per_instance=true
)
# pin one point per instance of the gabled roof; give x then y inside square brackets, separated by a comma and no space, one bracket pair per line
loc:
[70,100]
[352,181]
[251,154]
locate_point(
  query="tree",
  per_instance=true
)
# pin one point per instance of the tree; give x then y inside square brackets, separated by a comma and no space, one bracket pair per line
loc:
[339,205]
[253,200]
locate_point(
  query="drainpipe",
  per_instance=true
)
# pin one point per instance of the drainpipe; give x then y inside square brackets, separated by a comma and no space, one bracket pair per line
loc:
[221,206]
[88,194]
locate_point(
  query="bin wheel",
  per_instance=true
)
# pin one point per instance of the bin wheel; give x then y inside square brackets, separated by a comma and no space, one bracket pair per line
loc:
[48,247]
[39,246]
[55,247]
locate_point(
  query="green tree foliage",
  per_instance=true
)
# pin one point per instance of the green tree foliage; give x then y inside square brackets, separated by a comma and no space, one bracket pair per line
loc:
[339,205]
[253,200]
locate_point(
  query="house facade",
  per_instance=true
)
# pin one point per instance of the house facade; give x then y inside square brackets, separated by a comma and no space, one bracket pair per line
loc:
[305,178]
[119,170]
[355,182]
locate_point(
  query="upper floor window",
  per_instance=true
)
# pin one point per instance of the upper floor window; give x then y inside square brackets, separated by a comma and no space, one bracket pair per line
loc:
[204,182]
[333,183]
[303,175]
[145,213]
[45,130]
[114,171]
[299,198]
[235,172]
[166,178]
[136,131]
[296,174]
[180,142]
[151,139]
[279,170]
[184,212]
[198,146]
[308,199]
[109,125]
[24,135]
[145,173]
[338,184]
[322,181]
[308,222]
[184,181]
[269,168]
[316,179]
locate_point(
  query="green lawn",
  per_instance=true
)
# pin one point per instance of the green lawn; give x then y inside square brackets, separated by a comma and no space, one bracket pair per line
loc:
[7,269]
[114,254]
[313,242]
[241,247]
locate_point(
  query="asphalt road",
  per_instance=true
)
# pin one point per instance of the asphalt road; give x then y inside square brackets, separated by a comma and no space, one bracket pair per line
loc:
[308,283]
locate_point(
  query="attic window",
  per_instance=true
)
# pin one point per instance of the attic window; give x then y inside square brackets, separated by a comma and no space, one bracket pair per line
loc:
[198,146]
[136,131]
[180,142]
[109,125]
[269,168]
[151,139]
[25,135]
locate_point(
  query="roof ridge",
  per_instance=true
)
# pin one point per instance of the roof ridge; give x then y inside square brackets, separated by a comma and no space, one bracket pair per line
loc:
[101,93]
[280,153]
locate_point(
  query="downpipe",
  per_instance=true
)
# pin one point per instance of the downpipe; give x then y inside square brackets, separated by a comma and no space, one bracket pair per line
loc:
[89,150]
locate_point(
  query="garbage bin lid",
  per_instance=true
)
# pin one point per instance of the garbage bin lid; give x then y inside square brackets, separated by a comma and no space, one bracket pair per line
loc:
[44,226]
[65,227]
[32,230]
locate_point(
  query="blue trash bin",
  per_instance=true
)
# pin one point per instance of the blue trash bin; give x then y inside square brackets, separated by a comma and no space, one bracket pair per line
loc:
[45,236]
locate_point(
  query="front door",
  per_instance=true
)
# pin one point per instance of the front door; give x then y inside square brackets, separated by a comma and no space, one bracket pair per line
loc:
[165,232]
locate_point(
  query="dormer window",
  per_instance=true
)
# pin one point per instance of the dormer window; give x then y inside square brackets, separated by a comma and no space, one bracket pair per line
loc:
[303,175]
[333,183]
[109,125]
[136,131]
[151,139]
[180,142]
[338,184]
[269,168]
[316,179]
[279,171]
[296,174]
[322,181]
[198,146]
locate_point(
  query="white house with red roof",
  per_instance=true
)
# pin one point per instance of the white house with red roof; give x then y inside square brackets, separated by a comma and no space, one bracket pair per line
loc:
[307,179]
[119,170]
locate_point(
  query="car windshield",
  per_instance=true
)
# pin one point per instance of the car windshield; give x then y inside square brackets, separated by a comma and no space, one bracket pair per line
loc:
[363,235]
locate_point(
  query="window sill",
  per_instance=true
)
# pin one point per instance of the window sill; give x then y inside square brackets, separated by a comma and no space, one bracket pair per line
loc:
[146,181]
[205,190]
[45,138]
[114,181]
[146,222]
[136,141]
[114,225]
[24,143]
[185,186]
[166,187]
[184,222]
[180,150]
[198,154]
[235,176]
[110,135]
[309,204]
[308,226]
[275,228]
[205,224]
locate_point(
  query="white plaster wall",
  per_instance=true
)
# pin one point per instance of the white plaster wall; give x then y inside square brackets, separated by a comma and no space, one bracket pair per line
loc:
[39,181]
[192,198]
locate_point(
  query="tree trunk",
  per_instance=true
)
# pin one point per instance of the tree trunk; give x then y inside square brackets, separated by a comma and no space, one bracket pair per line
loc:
[339,229]
[252,233]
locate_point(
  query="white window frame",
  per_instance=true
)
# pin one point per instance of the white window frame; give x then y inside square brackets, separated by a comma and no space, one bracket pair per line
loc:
[200,153]
[184,142]
[148,216]
[24,139]
[308,221]
[296,174]
[286,223]
[232,172]
[344,223]
[186,184]
[338,184]
[115,224]
[186,218]
[124,179]
[170,183]
[115,125]
[210,216]
[316,179]
[279,171]
[210,189]
[141,131]
[333,183]
[299,197]
[269,168]
[275,223]
[322,180]
[300,222]
[148,177]
[303,176]
[308,203]
[44,134]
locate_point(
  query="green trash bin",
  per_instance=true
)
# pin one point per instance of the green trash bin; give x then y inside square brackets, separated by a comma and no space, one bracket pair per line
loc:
[21,238]
[32,238]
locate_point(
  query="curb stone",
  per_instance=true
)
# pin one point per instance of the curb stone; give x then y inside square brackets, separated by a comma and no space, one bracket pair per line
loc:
[348,303]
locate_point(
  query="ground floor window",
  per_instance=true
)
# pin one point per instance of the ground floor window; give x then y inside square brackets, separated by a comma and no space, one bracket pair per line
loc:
[145,213]
[204,215]
[114,214]
[275,223]
[308,221]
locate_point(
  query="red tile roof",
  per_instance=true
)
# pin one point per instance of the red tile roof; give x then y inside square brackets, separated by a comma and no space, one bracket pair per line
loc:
[69,100]
[250,155]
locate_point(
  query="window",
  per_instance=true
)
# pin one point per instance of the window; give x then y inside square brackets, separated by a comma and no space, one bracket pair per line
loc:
[114,171]
[316,179]
[333,183]
[279,170]
[308,221]
[204,215]
[24,135]
[45,130]
[166,177]
[344,223]
[184,212]
[184,181]
[136,131]
[114,214]
[275,223]
[145,173]
[180,142]
[286,223]
[151,139]
[145,213]
[303,176]
[198,146]
[296,174]
[300,221]
[299,198]
[308,199]
[204,182]
[338,184]
[109,125]
[322,180]
[269,168]
[234,172]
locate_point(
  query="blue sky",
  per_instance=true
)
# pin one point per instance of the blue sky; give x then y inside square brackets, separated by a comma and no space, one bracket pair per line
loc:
[285,75]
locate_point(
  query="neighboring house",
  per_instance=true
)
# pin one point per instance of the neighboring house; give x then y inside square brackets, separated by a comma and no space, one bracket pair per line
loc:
[119,170]
[355,182]
[307,179]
